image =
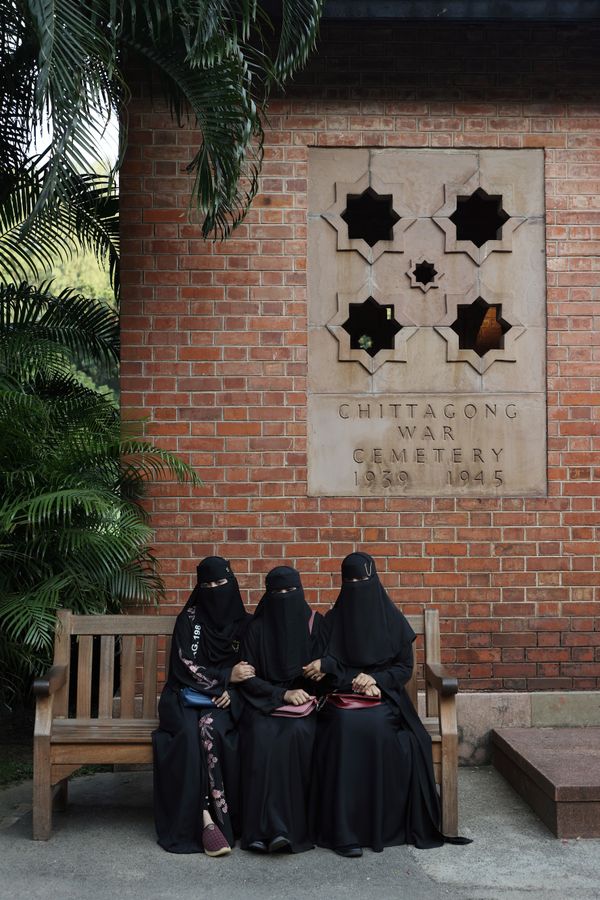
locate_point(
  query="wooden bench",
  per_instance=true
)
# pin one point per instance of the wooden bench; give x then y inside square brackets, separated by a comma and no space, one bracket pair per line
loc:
[70,732]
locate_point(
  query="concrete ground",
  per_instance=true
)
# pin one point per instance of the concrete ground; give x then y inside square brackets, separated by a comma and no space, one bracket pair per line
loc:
[103,848]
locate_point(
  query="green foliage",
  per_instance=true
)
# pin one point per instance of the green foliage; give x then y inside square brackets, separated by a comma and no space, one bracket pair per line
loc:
[61,74]
[88,220]
[73,533]
[87,276]
[82,273]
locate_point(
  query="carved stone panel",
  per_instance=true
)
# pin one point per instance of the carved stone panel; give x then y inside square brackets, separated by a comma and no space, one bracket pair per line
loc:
[427,326]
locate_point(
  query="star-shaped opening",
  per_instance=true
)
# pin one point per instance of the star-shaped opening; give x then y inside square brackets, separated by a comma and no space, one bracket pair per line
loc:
[479,217]
[480,327]
[371,326]
[370,216]
[424,273]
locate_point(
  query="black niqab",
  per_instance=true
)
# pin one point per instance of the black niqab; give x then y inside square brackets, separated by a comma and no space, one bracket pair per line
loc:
[367,629]
[216,607]
[216,614]
[282,620]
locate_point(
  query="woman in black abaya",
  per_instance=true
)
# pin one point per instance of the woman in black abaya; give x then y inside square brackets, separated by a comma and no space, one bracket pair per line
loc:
[277,750]
[196,752]
[374,784]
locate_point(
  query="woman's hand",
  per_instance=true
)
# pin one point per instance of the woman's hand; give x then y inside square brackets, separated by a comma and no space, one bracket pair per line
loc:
[372,691]
[313,670]
[241,672]
[223,701]
[361,682]
[297,697]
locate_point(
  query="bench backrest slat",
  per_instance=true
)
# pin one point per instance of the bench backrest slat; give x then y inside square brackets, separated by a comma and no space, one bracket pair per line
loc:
[128,660]
[84,677]
[150,670]
[425,638]
[432,644]
[62,657]
[107,676]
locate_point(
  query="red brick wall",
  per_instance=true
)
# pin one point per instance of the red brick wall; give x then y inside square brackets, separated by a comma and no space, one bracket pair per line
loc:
[214,348]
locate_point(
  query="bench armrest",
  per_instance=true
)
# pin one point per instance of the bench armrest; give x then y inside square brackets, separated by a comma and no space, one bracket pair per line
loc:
[51,682]
[436,676]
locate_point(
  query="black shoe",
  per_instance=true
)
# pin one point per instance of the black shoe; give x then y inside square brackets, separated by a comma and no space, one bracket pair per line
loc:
[348,852]
[258,847]
[279,843]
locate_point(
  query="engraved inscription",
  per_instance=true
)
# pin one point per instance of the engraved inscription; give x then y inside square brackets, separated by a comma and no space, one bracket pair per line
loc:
[412,446]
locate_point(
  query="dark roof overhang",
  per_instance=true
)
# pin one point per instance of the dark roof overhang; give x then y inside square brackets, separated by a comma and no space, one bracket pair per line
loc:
[464,10]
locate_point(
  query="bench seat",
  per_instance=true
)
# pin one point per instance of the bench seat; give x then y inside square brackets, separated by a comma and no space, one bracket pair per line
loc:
[103,731]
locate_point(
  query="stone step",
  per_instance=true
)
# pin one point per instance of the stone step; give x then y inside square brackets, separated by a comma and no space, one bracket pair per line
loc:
[557,772]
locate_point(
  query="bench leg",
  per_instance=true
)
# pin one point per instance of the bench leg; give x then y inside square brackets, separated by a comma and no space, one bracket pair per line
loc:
[42,800]
[449,779]
[449,801]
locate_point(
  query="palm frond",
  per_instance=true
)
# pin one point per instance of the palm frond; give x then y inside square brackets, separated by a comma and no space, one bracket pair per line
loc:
[298,34]
[31,317]
[30,617]
[150,462]
[138,583]
[57,507]
[78,85]
[17,89]
[212,29]
[227,163]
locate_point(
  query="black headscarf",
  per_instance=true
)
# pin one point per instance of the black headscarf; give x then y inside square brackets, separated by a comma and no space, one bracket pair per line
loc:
[216,615]
[366,630]
[281,620]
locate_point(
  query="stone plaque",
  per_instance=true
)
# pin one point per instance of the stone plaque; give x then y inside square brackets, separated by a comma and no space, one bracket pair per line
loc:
[416,444]
[427,325]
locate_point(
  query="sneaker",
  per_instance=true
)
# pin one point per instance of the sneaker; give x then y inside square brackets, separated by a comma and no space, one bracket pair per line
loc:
[351,852]
[214,841]
[279,843]
[258,847]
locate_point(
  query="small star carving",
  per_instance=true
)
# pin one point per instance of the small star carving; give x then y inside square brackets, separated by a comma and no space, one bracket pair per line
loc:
[370,216]
[423,274]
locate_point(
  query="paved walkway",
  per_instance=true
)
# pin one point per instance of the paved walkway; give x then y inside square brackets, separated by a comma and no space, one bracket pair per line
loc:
[104,848]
